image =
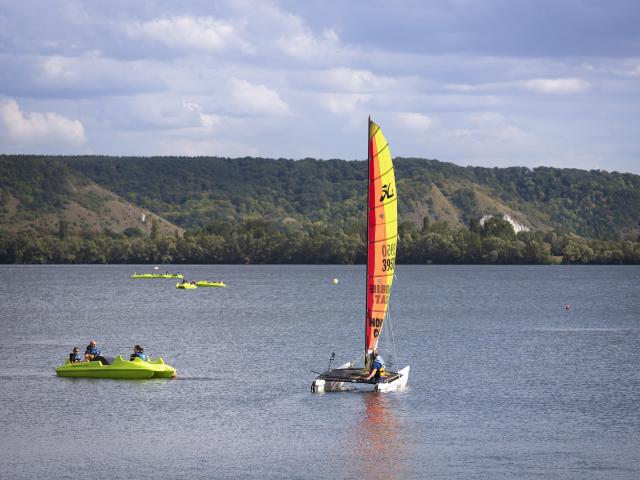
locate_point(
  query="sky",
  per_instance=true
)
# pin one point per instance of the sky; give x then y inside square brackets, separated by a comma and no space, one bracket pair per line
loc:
[492,83]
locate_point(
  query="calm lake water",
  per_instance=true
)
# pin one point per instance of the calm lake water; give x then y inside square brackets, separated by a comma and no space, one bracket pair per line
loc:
[505,383]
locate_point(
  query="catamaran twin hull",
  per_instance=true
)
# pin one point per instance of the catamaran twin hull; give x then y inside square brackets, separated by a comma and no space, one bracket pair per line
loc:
[348,378]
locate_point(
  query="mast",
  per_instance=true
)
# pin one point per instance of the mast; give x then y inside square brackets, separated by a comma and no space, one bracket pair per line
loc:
[366,268]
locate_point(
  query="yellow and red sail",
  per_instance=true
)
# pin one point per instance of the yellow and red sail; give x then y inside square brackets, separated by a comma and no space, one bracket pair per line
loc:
[382,235]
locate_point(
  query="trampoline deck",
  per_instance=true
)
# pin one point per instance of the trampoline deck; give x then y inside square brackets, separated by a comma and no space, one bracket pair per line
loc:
[355,375]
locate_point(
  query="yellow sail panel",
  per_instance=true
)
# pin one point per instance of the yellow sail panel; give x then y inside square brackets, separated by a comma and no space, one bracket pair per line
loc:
[382,229]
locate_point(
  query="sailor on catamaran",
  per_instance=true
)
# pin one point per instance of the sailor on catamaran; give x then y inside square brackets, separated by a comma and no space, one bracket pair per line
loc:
[377,366]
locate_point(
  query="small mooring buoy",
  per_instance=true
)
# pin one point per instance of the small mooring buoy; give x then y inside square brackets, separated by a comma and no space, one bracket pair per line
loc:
[335,281]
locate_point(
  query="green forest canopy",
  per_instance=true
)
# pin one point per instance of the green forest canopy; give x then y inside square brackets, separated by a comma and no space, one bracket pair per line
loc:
[310,211]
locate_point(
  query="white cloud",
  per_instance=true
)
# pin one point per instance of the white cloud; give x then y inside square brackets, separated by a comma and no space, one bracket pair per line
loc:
[491,132]
[303,44]
[202,33]
[482,119]
[92,74]
[415,121]
[206,120]
[538,85]
[35,127]
[193,143]
[478,88]
[352,108]
[284,32]
[557,85]
[280,36]
[349,80]
[576,158]
[635,72]
[255,99]
[344,103]
[58,67]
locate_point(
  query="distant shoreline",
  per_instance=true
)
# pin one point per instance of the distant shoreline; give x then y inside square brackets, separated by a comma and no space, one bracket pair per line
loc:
[178,266]
[262,244]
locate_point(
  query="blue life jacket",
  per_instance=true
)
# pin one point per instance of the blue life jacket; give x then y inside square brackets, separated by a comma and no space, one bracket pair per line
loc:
[74,357]
[141,355]
[92,351]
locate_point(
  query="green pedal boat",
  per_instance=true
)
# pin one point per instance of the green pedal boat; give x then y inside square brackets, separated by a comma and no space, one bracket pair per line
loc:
[205,283]
[157,275]
[119,368]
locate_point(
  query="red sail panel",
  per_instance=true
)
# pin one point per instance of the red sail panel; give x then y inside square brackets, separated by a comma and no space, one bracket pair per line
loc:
[382,230]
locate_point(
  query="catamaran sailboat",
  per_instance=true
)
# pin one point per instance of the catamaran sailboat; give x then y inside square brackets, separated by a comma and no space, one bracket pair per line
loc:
[382,236]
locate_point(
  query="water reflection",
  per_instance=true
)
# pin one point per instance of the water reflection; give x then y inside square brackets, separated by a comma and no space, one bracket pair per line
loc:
[381,440]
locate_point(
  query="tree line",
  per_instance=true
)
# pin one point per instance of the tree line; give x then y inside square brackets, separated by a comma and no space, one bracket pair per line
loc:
[259,241]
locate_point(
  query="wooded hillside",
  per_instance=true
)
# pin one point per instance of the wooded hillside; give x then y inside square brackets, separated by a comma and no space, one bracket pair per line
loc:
[306,211]
[190,192]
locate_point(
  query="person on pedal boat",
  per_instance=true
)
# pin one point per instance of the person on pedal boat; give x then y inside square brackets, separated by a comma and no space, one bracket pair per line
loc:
[138,352]
[377,367]
[93,353]
[74,356]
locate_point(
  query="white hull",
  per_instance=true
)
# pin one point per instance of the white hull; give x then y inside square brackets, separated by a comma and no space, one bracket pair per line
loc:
[320,385]
[396,384]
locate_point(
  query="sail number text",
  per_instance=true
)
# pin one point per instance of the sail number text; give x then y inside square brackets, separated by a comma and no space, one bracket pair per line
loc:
[388,257]
[388,264]
[375,324]
[380,293]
